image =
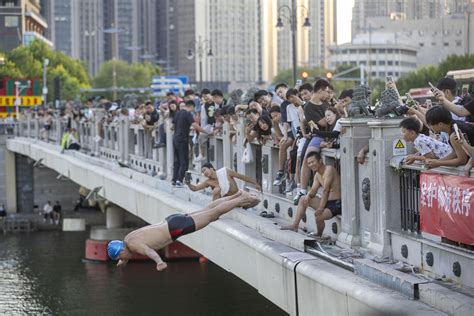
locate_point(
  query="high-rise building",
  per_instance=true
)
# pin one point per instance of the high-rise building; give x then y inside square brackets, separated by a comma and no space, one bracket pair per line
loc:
[84,29]
[323,17]
[87,35]
[20,23]
[284,34]
[173,16]
[402,10]
[469,29]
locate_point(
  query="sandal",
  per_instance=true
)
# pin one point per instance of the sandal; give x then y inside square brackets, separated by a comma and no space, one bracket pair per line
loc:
[265,214]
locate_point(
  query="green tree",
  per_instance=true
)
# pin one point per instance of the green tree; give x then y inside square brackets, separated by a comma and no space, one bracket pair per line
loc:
[127,75]
[27,62]
[423,75]
[287,75]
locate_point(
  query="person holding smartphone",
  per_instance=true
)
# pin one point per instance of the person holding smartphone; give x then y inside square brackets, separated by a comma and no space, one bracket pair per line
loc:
[440,120]
[445,93]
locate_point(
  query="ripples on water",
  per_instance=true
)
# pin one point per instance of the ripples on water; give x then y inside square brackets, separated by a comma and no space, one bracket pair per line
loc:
[43,274]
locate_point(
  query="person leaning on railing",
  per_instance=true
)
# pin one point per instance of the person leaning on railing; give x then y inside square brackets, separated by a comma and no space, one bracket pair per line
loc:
[427,147]
[440,120]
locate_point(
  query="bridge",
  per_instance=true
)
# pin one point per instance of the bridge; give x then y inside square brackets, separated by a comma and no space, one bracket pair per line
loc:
[298,274]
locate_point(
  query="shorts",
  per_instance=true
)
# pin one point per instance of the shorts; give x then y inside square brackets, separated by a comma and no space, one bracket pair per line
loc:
[180,225]
[315,142]
[203,138]
[300,143]
[334,206]
[47,127]
[291,135]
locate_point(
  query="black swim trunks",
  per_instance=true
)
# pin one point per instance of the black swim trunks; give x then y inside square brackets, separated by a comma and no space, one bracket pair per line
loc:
[180,224]
[334,206]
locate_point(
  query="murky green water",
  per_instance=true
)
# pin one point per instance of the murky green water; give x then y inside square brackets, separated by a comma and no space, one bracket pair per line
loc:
[43,273]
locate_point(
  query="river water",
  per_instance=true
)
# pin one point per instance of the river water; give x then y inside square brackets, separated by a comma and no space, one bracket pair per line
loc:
[44,273]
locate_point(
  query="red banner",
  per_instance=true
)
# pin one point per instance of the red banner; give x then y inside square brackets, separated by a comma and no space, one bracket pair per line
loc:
[445,206]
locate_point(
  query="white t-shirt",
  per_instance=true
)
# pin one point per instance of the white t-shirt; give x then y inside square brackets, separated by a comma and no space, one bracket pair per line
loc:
[425,145]
[293,116]
[47,208]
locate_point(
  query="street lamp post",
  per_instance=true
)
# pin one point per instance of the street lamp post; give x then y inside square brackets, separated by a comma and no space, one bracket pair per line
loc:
[18,89]
[114,31]
[199,46]
[45,86]
[293,20]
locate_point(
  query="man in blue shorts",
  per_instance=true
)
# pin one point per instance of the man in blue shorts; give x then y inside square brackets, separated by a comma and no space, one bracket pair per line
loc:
[147,240]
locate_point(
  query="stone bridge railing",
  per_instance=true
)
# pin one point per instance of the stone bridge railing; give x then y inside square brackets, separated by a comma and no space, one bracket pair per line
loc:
[374,215]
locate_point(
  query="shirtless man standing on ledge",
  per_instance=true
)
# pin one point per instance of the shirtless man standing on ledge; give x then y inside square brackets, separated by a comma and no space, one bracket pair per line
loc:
[147,240]
[221,181]
[329,205]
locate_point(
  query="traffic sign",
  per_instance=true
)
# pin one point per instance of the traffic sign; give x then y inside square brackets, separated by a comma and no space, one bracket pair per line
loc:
[160,85]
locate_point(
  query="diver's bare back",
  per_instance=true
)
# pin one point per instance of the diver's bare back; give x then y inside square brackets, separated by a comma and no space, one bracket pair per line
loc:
[155,236]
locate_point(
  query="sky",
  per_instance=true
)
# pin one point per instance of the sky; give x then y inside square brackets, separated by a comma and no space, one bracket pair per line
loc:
[344,15]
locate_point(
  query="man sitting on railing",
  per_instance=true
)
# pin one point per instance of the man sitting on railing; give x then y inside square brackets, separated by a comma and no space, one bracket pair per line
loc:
[329,204]
[222,181]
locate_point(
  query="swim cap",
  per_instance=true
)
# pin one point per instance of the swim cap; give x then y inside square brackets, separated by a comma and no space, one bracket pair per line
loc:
[114,248]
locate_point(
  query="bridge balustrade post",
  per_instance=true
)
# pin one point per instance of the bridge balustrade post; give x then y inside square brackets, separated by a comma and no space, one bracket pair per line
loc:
[141,141]
[37,130]
[121,144]
[227,147]
[106,136]
[147,143]
[169,149]
[240,135]
[127,141]
[28,127]
[270,165]
[384,186]
[115,136]
[59,131]
[161,152]
[97,131]
[356,136]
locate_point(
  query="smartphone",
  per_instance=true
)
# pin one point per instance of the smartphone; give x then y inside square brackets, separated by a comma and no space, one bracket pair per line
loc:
[456,130]
[432,87]
[389,79]
[429,104]
[299,82]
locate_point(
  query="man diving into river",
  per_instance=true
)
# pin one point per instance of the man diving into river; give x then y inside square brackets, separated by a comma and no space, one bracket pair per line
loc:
[147,240]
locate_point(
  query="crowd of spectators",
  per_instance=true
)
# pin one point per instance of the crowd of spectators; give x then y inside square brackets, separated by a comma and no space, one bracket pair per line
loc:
[299,121]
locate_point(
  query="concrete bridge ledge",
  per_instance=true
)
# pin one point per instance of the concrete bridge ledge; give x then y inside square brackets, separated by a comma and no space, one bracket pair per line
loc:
[336,291]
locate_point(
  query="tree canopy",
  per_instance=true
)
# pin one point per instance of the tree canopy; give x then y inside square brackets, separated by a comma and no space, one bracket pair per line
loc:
[128,75]
[27,62]
[423,75]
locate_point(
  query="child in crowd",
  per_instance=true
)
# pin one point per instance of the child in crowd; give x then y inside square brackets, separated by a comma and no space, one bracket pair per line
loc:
[427,147]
